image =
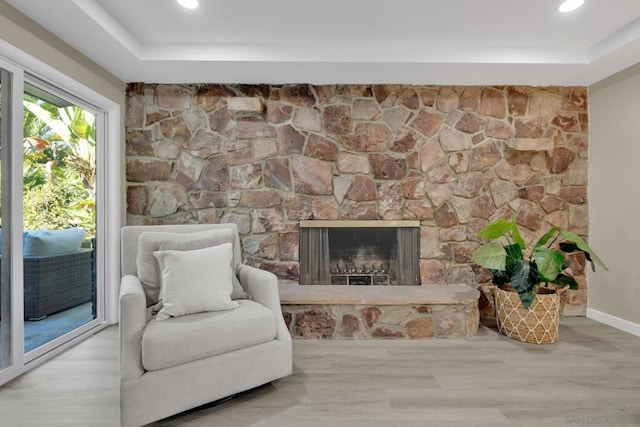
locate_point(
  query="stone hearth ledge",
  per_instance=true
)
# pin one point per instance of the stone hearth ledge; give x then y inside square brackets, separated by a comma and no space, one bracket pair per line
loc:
[378,295]
[372,312]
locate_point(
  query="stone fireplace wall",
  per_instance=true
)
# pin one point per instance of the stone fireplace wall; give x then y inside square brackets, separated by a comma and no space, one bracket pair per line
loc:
[268,156]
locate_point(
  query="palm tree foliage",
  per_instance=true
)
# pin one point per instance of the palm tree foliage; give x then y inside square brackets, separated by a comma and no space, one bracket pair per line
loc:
[59,166]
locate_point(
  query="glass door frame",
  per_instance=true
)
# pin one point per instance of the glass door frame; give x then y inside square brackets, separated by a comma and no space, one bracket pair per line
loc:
[99,319]
[12,213]
[109,203]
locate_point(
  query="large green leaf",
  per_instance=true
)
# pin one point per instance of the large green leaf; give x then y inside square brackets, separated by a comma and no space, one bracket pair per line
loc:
[47,117]
[500,277]
[495,229]
[549,263]
[564,280]
[514,251]
[79,124]
[527,297]
[515,233]
[492,256]
[544,239]
[582,245]
[523,276]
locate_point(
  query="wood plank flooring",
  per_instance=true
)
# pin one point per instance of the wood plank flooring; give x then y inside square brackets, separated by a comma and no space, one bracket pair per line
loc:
[590,377]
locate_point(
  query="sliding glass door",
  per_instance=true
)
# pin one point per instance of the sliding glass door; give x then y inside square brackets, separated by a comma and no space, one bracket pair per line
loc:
[51,291]
[59,216]
[5,278]
[10,325]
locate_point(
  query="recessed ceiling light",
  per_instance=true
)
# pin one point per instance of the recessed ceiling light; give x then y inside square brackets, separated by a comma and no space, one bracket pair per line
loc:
[570,5]
[189,4]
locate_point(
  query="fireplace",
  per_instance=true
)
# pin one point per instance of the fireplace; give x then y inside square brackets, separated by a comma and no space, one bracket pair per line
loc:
[367,253]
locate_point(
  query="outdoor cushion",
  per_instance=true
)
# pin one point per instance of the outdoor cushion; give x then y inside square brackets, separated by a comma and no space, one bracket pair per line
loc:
[52,242]
[184,339]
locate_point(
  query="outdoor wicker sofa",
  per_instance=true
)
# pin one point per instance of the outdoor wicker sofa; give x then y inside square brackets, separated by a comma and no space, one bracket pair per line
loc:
[57,282]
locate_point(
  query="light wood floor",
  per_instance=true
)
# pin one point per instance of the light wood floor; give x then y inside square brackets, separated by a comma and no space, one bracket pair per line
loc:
[590,377]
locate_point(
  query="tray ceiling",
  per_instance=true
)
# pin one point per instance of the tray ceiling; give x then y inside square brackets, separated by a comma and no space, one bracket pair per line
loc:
[457,42]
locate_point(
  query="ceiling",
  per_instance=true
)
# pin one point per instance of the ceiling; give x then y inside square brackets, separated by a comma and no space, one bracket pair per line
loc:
[457,42]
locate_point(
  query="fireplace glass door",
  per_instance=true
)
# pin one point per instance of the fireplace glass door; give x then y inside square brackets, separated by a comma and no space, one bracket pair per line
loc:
[367,254]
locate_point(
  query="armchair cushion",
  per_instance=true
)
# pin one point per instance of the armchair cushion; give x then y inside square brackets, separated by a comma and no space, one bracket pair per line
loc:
[197,336]
[195,281]
[148,270]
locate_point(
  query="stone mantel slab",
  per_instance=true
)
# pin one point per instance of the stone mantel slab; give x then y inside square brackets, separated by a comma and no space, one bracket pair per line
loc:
[378,295]
[372,223]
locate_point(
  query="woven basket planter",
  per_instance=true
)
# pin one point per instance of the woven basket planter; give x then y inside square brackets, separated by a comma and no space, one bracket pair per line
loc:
[538,324]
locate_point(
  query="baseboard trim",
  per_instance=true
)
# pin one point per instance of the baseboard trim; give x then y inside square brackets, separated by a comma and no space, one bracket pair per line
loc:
[616,322]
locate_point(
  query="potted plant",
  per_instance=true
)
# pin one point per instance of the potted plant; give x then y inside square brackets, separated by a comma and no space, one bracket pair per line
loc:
[525,309]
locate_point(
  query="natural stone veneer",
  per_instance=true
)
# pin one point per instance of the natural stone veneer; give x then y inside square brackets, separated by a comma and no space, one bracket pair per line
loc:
[268,156]
[410,322]
[378,312]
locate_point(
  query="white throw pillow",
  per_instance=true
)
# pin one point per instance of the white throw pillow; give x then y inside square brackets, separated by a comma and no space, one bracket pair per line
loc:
[151,241]
[195,281]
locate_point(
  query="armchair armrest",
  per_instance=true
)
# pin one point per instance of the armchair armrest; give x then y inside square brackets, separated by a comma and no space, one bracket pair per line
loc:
[133,319]
[262,286]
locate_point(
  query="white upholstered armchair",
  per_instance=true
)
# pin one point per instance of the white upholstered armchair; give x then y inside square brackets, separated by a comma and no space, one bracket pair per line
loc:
[169,366]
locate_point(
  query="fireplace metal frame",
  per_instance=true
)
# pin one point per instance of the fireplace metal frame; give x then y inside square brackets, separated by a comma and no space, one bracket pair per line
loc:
[369,223]
[372,276]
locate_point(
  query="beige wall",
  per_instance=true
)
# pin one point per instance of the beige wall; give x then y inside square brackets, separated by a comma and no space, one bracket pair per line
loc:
[23,33]
[614,179]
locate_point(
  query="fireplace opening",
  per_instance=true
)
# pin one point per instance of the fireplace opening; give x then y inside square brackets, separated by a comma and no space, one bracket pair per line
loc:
[367,253]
